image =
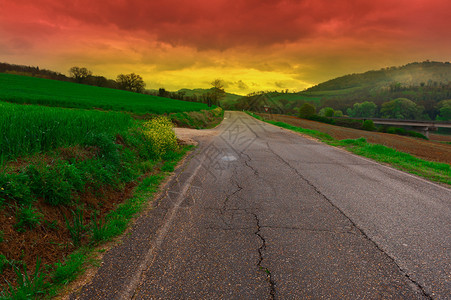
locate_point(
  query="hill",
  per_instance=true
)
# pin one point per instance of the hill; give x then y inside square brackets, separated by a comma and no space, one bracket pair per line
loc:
[414,74]
[426,83]
[31,90]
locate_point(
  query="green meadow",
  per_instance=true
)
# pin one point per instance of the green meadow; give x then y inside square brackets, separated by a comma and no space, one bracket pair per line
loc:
[30,90]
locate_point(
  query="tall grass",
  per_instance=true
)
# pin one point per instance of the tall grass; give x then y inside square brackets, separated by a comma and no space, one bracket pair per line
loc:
[29,90]
[28,129]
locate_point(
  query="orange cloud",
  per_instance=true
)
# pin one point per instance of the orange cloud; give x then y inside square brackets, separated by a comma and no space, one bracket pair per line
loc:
[264,44]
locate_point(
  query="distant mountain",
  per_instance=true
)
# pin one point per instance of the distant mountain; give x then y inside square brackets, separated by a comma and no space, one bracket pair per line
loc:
[414,74]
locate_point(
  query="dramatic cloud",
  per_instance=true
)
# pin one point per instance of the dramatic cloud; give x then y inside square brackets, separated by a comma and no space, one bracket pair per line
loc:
[300,42]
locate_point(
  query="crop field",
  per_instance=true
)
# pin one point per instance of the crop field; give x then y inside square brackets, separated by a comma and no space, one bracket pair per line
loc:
[29,90]
[28,129]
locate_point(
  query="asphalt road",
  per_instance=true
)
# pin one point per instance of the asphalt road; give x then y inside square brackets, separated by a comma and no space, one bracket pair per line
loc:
[258,212]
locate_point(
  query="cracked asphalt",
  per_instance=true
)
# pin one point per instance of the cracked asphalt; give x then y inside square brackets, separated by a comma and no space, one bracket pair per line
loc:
[258,212]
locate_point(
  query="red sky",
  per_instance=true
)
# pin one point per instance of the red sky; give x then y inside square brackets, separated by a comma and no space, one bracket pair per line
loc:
[252,45]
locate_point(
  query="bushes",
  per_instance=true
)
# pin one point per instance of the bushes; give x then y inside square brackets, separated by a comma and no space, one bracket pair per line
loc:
[306,111]
[368,125]
[401,131]
[350,123]
[322,119]
[160,135]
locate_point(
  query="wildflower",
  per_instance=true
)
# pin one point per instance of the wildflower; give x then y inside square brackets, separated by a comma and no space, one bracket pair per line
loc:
[161,136]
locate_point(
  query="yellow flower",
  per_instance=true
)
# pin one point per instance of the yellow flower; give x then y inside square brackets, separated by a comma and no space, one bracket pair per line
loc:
[160,135]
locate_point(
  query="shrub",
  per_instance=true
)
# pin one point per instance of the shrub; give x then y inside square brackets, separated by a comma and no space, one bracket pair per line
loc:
[350,123]
[322,119]
[161,136]
[416,134]
[396,130]
[326,112]
[338,113]
[307,110]
[368,125]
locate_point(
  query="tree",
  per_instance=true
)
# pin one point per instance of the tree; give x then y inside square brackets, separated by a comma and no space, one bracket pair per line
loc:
[307,110]
[79,74]
[131,82]
[162,93]
[338,113]
[401,108]
[363,110]
[217,92]
[444,110]
[327,112]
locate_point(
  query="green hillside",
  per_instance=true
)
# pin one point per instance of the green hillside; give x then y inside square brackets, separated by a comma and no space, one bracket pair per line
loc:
[29,90]
[411,75]
[427,84]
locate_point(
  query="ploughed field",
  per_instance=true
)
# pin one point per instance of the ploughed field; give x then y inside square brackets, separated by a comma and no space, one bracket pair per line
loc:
[434,149]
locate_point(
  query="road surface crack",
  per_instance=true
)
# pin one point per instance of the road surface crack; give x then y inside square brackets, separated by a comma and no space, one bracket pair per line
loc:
[262,248]
[354,225]
[310,229]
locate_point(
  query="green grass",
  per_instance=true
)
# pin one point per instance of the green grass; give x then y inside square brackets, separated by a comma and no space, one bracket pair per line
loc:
[28,129]
[113,224]
[439,172]
[29,90]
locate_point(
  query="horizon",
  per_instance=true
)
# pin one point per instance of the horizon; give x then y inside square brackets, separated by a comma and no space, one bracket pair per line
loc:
[252,46]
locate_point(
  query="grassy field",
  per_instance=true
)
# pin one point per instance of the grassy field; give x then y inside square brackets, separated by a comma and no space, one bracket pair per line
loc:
[29,90]
[29,129]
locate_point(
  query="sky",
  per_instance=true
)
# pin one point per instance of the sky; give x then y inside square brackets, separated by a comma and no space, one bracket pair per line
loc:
[252,45]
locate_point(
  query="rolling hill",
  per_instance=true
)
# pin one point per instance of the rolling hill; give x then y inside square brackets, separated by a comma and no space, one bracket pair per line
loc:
[426,83]
[31,90]
[414,74]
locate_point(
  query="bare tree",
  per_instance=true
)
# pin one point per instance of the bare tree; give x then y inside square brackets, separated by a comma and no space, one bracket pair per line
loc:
[79,74]
[131,82]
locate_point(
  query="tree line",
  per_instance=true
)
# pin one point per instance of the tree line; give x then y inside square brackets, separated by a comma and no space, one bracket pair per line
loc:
[130,82]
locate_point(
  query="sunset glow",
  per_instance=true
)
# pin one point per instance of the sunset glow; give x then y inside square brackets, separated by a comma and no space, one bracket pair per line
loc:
[252,45]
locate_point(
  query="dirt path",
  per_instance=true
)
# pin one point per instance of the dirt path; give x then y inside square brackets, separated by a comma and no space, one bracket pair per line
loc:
[429,150]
